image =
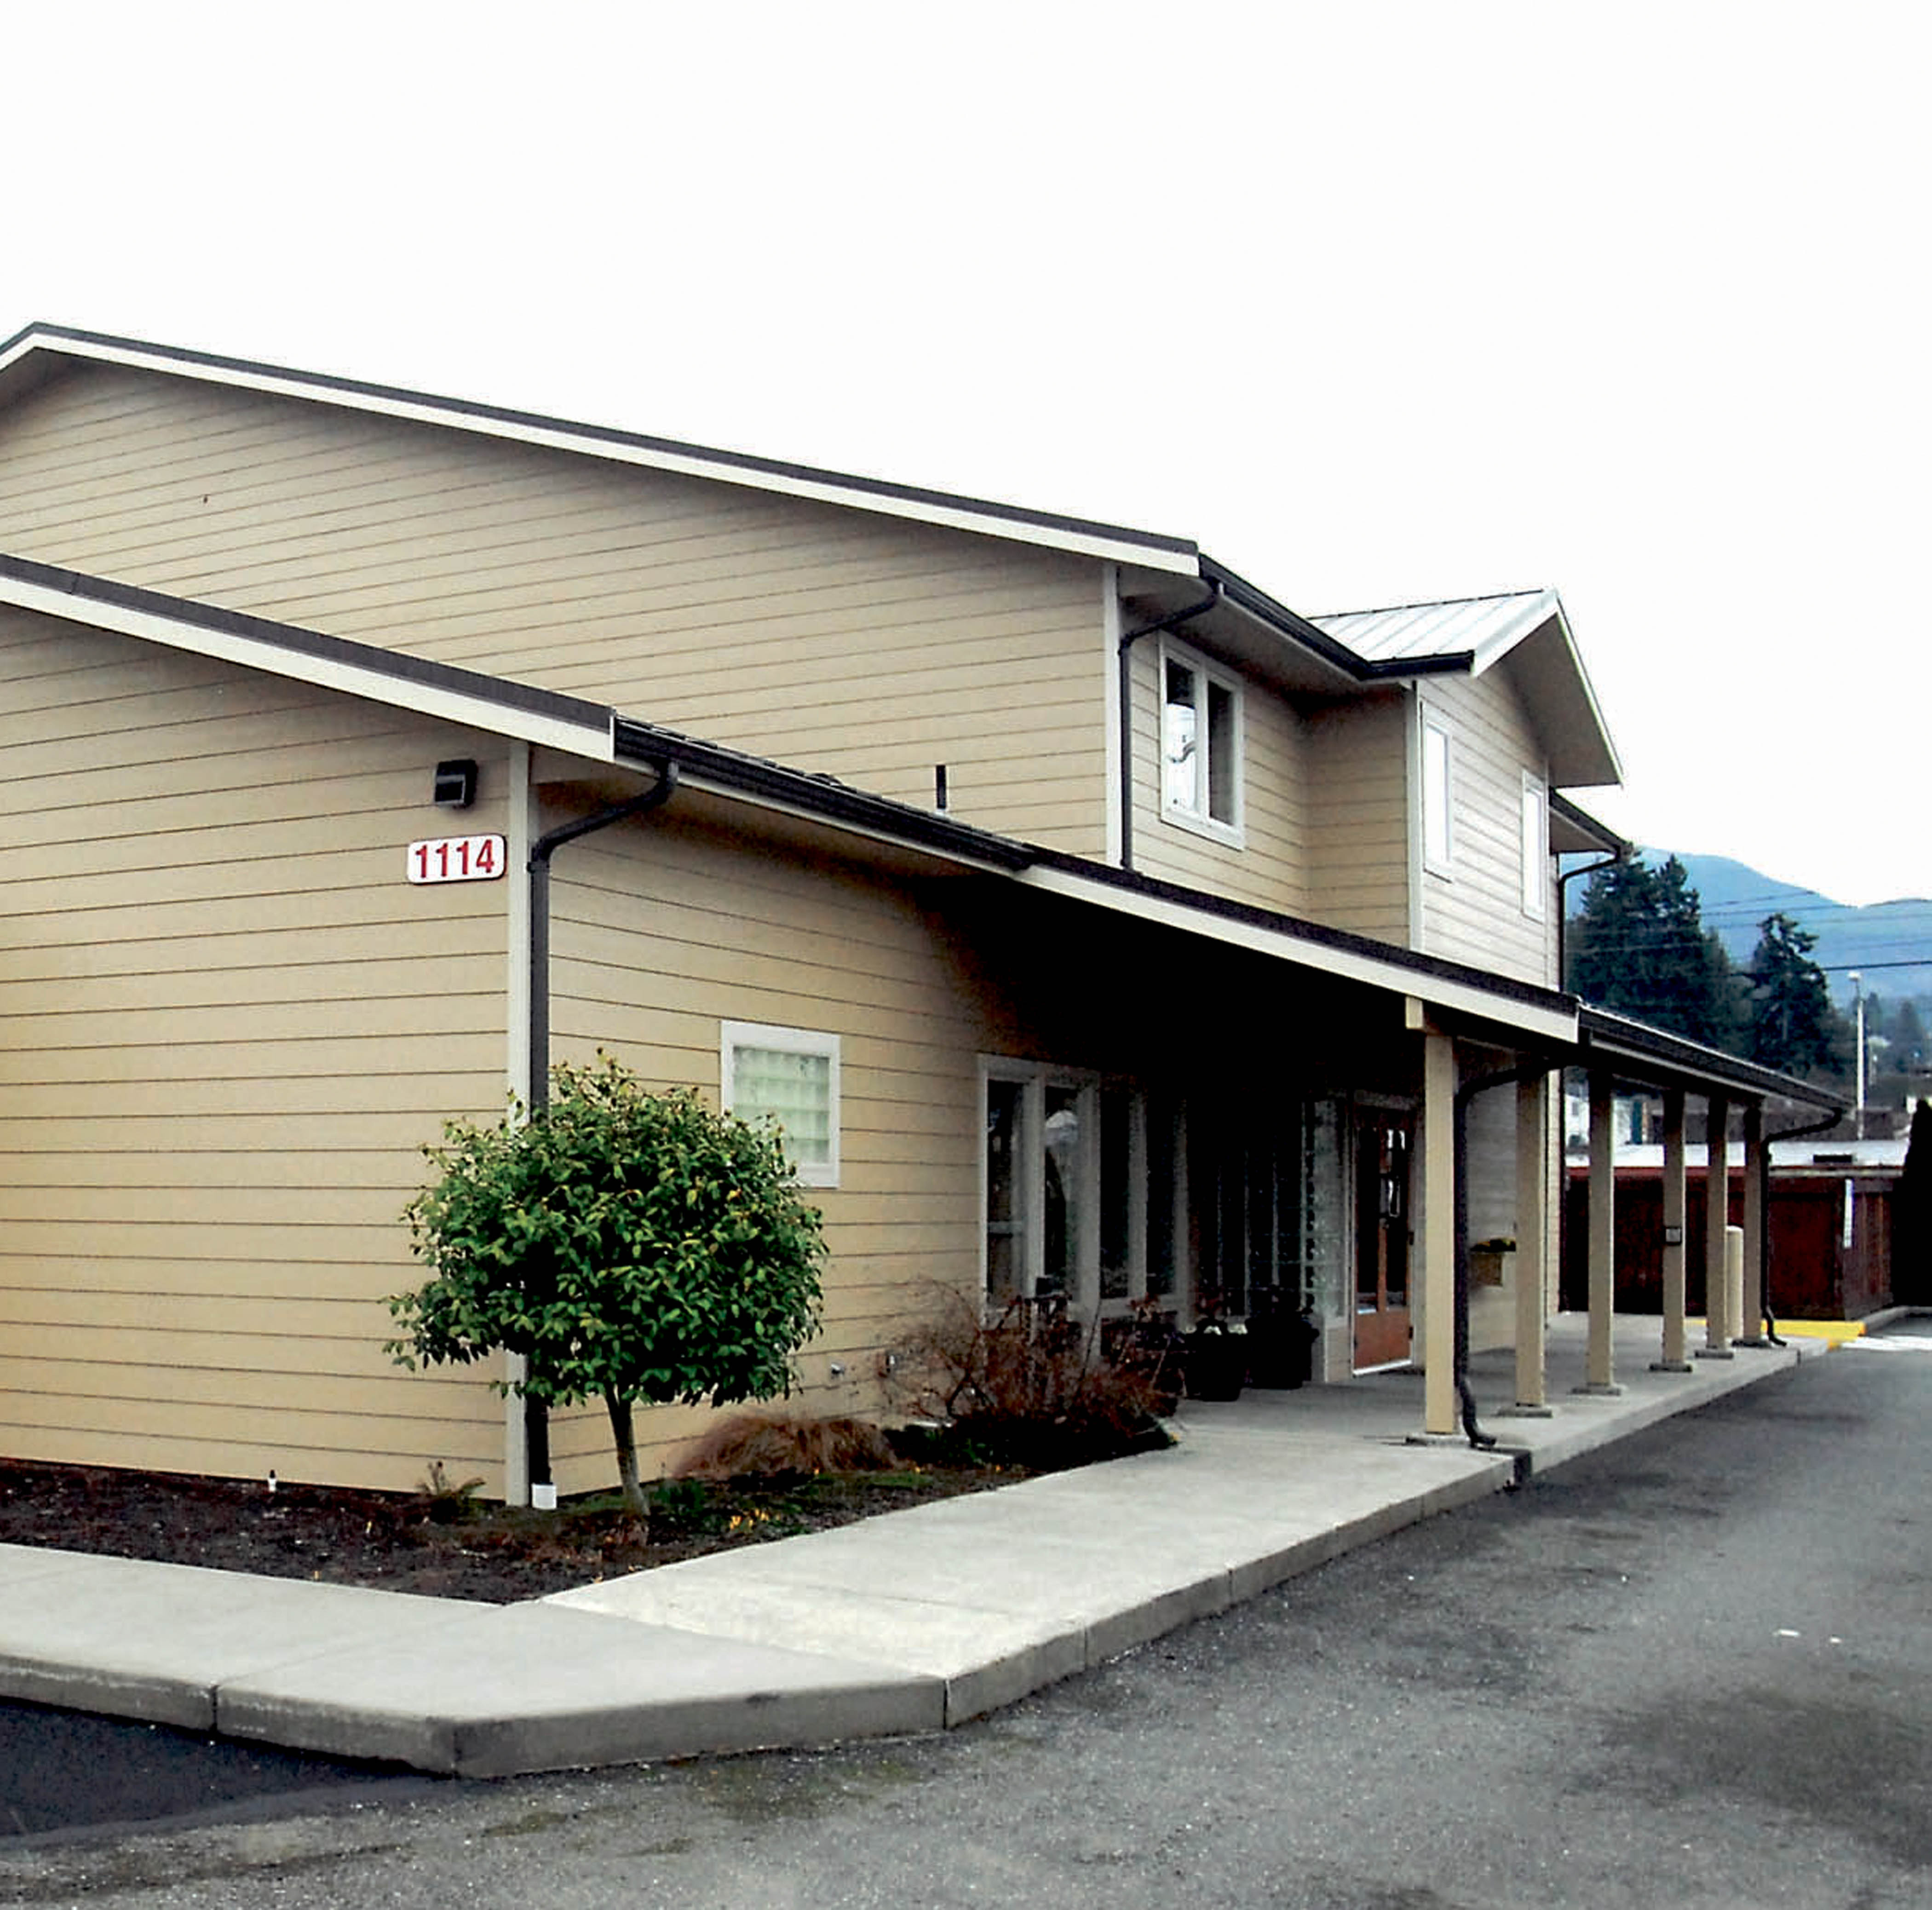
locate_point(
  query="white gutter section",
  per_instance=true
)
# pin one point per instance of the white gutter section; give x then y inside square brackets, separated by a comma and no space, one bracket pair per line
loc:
[399,692]
[960,516]
[1557,1025]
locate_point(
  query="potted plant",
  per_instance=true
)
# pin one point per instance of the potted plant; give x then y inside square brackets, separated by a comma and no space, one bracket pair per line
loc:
[1283,1336]
[1486,1261]
[1217,1353]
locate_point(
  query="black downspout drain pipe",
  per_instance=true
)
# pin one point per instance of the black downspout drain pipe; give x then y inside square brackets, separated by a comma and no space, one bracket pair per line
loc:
[1466,1092]
[536,1415]
[1770,1321]
[1127,642]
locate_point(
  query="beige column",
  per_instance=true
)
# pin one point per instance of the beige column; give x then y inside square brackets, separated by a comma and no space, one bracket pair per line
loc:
[1673,1359]
[1716,1217]
[1435,1254]
[1532,1236]
[1600,1367]
[1757,1171]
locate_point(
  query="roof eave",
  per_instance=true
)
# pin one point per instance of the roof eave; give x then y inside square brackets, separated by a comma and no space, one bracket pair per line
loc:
[1079,536]
[1663,1059]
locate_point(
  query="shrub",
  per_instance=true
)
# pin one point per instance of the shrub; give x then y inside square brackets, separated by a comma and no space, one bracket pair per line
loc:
[775,1445]
[629,1246]
[1029,1389]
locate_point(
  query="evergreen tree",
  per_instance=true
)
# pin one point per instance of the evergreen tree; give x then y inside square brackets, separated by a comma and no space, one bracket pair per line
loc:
[1640,948]
[1907,1035]
[1794,1027]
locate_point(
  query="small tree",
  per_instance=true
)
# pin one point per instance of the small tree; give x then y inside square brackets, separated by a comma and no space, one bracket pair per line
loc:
[629,1246]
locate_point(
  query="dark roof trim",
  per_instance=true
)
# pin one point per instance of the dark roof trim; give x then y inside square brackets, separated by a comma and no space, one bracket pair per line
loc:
[630,741]
[1292,624]
[370,658]
[1606,838]
[460,410]
[1296,928]
[823,796]
[1674,1061]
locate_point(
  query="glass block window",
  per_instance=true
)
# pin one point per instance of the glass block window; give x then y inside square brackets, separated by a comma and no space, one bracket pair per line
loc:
[791,1075]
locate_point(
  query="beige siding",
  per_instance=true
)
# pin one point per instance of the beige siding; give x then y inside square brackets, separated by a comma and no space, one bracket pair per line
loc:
[663,932]
[1358,870]
[860,646]
[1475,913]
[227,1026]
[1266,868]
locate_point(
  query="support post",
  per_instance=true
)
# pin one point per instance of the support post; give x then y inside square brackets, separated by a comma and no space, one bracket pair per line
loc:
[1438,1244]
[1717,1218]
[1757,1169]
[1673,1358]
[1599,1368]
[1532,1235]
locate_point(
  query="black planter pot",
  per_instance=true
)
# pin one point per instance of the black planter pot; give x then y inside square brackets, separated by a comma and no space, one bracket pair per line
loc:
[1217,1364]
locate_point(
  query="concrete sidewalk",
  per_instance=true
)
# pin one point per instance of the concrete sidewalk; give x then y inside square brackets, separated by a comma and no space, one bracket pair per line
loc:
[913,1621]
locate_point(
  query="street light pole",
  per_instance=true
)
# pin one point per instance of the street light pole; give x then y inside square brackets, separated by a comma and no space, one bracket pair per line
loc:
[1858,993]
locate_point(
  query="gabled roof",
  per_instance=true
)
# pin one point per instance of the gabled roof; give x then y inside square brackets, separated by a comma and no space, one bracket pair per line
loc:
[1528,626]
[40,351]
[1279,640]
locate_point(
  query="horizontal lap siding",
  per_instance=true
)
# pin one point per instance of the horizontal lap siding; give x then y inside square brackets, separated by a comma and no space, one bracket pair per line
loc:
[853,644]
[661,933]
[1268,870]
[1476,915]
[1358,864]
[227,1026]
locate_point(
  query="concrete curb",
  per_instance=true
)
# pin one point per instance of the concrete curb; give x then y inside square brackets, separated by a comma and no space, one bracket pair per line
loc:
[909,1623]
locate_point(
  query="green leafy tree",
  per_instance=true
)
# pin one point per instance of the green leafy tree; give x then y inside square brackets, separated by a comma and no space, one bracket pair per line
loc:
[629,1246]
[1640,948]
[1795,1029]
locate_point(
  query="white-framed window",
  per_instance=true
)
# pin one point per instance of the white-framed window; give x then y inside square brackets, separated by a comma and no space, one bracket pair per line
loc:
[1536,873]
[1439,786]
[792,1075]
[1200,744]
[1064,1188]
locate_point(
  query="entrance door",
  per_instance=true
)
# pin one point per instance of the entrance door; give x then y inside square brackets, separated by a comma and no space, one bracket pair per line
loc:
[1383,1144]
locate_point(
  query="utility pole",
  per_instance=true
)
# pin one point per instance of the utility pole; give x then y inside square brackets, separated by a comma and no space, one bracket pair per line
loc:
[1858,994]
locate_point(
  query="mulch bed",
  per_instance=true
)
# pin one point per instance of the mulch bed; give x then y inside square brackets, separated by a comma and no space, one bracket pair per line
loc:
[446,1546]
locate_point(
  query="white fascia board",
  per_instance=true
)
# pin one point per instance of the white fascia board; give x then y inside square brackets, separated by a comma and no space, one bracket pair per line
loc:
[559,437]
[445,704]
[1437,991]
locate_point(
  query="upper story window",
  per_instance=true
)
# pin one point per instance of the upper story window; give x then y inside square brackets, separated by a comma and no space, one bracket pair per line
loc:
[1200,744]
[1535,849]
[792,1075]
[1438,792]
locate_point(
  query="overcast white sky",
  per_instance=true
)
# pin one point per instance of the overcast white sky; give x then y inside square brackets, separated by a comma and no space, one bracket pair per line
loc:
[1378,302]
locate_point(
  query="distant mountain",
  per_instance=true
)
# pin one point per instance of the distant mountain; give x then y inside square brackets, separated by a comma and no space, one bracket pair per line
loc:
[1735,898]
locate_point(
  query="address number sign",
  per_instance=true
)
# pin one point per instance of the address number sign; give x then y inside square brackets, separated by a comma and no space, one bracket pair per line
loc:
[456,858]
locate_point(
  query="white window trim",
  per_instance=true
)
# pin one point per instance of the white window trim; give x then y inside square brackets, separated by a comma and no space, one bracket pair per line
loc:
[1033,1078]
[733,1036]
[1536,870]
[1198,822]
[1430,807]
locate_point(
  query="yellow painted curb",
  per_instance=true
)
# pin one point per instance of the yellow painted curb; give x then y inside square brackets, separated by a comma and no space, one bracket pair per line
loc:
[1837,1331]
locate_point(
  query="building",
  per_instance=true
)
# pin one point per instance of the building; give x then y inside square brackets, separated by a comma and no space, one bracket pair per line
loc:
[1098,925]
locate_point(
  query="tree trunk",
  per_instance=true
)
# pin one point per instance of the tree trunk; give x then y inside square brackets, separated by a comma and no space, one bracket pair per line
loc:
[619,1409]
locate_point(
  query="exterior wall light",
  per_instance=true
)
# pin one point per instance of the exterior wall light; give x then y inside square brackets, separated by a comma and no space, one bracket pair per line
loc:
[455,784]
